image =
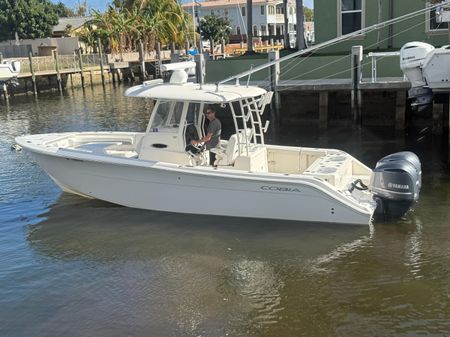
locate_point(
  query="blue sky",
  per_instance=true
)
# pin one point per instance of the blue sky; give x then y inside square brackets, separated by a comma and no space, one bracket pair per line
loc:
[101,5]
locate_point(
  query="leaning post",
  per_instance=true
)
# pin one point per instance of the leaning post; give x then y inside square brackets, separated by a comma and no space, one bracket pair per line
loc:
[100,52]
[356,97]
[80,64]
[33,75]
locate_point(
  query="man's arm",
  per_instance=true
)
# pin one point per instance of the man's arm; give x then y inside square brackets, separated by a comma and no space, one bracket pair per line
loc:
[207,138]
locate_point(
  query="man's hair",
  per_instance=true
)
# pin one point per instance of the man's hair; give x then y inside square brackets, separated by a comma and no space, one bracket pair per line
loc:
[209,107]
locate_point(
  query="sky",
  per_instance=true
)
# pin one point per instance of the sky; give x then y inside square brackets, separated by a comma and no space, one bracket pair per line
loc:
[101,5]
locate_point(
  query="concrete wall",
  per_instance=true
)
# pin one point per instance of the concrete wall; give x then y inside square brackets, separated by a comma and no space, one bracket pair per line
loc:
[65,45]
[326,25]
[318,67]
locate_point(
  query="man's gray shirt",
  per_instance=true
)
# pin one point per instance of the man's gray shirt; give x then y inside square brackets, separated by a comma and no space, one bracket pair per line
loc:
[215,128]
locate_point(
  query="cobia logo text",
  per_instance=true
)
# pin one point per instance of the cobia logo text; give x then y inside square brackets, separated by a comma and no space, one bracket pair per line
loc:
[280,189]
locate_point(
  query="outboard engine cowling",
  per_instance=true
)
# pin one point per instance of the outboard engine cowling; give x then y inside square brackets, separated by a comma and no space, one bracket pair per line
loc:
[413,56]
[395,183]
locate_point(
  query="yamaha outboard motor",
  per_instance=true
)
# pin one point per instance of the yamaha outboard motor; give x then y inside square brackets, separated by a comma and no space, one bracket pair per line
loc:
[395,184]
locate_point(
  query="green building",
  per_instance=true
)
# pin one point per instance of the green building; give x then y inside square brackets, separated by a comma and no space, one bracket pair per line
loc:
[335,18]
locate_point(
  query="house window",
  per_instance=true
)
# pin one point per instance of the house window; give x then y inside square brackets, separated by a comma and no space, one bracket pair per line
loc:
[263,11]
[433,24]
[280,9]
[243,11]
[263,30]
[271,10]
[351,16]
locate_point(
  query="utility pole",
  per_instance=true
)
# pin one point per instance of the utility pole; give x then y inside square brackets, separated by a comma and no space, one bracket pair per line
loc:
[193,22]
[249,27]
[300,29]
[286,25]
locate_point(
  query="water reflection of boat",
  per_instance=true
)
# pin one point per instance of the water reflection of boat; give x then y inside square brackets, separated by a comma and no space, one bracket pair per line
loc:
[86,227]
[200,270]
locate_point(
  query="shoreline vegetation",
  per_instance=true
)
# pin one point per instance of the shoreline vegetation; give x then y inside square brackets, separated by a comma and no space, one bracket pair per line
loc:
[126,23]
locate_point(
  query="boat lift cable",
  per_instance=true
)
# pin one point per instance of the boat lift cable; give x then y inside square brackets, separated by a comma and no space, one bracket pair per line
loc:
[338,60]
[311,51]
[332,41]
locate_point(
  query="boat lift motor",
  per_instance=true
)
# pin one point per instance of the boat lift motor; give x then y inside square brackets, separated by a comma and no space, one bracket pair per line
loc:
[396,182]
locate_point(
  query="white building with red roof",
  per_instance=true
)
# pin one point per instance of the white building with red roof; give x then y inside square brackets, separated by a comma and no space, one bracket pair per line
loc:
[268,16]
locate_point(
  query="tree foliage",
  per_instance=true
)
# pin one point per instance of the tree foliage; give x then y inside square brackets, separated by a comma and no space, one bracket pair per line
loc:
[215,28]
[31,19]
[309,13]
[126,22]
[63,11]
[81,9]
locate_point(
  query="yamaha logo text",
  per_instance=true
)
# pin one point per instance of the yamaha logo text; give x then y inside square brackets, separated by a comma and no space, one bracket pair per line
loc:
[398,186]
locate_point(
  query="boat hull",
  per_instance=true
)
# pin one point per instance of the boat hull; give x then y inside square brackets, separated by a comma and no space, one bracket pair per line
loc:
[207,191]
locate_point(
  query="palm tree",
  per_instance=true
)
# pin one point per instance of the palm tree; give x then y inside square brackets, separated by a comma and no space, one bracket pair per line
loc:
[126,22]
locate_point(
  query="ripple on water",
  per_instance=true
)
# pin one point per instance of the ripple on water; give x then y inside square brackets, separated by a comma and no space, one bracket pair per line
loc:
[76,267]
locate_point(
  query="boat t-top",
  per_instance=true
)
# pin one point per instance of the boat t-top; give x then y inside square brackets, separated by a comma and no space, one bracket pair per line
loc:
[160,170]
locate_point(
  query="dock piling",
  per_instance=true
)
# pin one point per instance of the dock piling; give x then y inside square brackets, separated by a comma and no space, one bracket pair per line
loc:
[80,64]
[100,52]
[400,110]
[200,68]
[33,74]
[438,117]
[58,74]
[323,110]
[5,91]
[142,60]
[447,124]
[158,60]
[274,75]
[356,96]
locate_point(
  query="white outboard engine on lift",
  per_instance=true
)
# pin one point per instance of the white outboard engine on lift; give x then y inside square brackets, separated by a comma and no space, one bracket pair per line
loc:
[428,70]
[395,184]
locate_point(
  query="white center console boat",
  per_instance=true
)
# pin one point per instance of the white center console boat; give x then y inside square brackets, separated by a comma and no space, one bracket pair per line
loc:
[158,170]
[9,70]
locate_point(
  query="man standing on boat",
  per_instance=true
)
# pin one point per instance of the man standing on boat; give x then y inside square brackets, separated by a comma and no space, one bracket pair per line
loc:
[212,138]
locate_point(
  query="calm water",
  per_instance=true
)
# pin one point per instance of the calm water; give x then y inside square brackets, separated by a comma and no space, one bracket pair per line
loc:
[76,267]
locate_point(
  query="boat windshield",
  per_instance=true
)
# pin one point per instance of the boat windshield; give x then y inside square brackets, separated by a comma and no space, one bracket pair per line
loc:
[167,117]
[193,113]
